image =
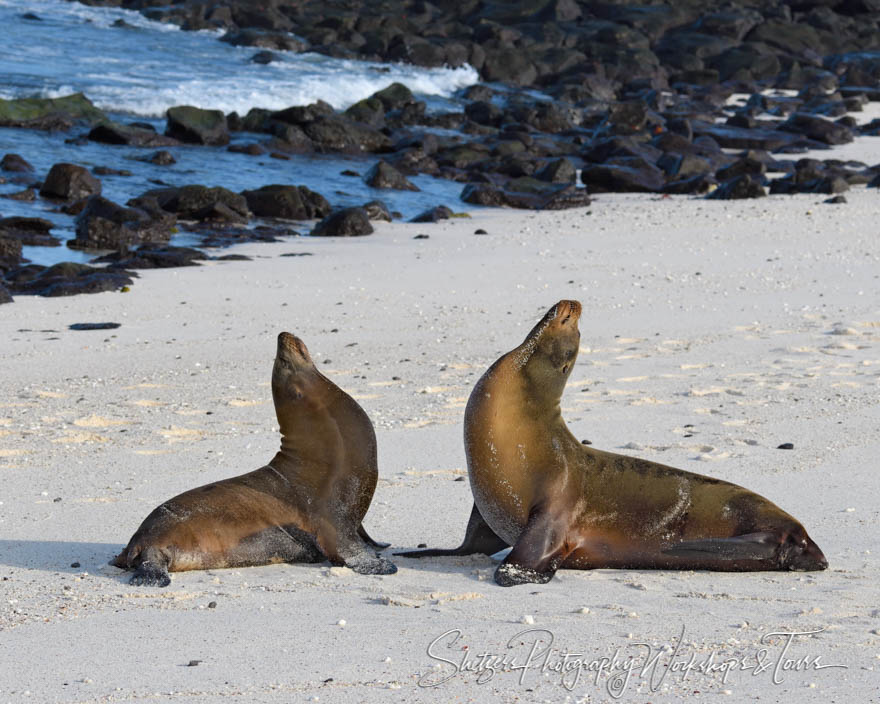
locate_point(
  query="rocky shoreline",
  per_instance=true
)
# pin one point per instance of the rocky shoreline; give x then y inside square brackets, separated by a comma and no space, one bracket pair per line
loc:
[707,99]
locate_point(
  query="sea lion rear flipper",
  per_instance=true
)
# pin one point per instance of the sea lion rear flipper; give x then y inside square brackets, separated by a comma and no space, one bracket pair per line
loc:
[368,540]
[751,546]
[478,537]
[538,552]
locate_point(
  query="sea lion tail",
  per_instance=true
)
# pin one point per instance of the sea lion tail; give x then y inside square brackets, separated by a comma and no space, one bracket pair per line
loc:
[368,540]
[478,538]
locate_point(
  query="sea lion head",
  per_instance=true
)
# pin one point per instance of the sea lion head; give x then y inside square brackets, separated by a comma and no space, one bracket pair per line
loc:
[547,355]
[293,375]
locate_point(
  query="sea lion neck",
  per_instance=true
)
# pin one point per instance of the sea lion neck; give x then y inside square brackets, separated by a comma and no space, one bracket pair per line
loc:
[302,398]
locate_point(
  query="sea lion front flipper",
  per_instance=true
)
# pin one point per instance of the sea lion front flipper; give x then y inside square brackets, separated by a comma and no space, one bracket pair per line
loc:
[478,537]
[750,546]
[368,540]
[539,551]
[353,552]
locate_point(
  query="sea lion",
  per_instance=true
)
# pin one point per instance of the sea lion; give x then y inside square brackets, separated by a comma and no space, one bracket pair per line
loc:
[306,505]
[560,503]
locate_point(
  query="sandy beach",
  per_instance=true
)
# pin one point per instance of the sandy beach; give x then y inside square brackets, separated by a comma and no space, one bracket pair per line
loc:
[712,333]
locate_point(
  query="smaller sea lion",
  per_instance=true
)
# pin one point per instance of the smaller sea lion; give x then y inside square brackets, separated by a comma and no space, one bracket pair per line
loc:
[306,505]
[560,503]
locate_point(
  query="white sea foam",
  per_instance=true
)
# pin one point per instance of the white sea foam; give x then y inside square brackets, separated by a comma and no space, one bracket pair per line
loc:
[146,70]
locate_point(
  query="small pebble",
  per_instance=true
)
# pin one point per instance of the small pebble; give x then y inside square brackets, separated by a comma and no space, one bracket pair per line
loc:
[212,604]
[340,622]
[193,663]
[421,237]
[583,610]
[74,564]
[850,510]
[586,442]
[785,446]
[480,231]
[528,619]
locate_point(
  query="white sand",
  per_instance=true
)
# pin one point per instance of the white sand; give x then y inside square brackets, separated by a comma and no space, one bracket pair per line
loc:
[707,340]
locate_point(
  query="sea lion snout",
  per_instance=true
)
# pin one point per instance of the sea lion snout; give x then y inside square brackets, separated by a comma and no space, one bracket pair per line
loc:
[568,311]
[292,349]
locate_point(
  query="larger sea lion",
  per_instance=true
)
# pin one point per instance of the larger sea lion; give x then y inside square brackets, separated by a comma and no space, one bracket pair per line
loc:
[306,505]
[560,503]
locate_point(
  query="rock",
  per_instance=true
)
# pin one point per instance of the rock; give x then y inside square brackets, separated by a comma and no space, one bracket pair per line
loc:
[395,97]
[435,214]
[348,222]
[10,252]
[730,137]
[116,133]
[65,279]
[508,66]
[383,175]
[252,149]
[336,133]
[5,296]
[377,210]
[623,175]
[49,113]
[268,40]
[33,232]
[370,111]
[287,202]
[109,171]
[745,165]
[197,126]
[264,57]
[27,195]
[303,114]
[817,128]
[153,257]
[558,171]
[86,327]
[835,200]
[105,225]
[551,198]
[744,186]
[484,112]
[201,203]
[15,164]
[69,182]
[161,158]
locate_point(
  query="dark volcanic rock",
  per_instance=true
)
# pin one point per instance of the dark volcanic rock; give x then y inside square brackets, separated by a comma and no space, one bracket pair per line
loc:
[377,210]
[116,133]
[623,174]
[559,171]
[818,128]
[15,164]
[202,203]
[49,113]
[65,279]
[435,214]
[27,195]
[745,186]
[335,133]
[267,40]
[10,252]
[197,126]
[348,222]
[383,175]
[160,158]
[5,296]
[105,225]
[69,182]
[152,257]
[29,231]
[553,198]
[287,202]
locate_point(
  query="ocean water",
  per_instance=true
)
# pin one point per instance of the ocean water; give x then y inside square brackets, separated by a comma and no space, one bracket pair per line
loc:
[139,71]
